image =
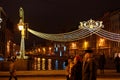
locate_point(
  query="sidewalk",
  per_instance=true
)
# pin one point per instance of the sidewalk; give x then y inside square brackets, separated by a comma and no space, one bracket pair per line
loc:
[36,73]
[44,73]
[108,73]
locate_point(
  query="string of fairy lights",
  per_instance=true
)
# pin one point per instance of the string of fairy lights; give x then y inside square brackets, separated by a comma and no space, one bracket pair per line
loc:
[86,28]
[109,35]
[70,36]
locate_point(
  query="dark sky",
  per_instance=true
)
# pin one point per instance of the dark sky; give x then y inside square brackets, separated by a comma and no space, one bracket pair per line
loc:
[56,16]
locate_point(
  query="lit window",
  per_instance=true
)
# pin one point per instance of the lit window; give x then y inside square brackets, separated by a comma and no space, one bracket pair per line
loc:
[64,65]
[56,49]
[101,42]
[56,64]
[38,64]
[49,64]
[1,59]
[60,53]
[43,63]
[44,50]
[64,48]
[86,45]
[74,45]
[39,50]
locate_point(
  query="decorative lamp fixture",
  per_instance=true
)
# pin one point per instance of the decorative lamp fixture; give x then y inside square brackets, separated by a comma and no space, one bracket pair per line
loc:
[21,25]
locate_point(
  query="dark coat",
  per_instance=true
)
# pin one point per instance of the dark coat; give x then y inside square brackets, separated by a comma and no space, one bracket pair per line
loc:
[102,62]
[89,71]
[76,71]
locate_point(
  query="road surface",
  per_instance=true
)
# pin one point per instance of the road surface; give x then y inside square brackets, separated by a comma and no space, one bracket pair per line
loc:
[51,78]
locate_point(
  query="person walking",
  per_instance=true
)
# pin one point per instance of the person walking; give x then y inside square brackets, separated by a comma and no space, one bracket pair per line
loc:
[76,70]
[69,65]
[89,69]
[12,69]
[102,62]
[117,63]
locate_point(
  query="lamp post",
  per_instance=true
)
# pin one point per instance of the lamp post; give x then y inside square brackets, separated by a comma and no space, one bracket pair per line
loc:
[21,26]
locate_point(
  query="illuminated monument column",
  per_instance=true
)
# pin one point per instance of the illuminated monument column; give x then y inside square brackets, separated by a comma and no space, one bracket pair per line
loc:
[21,27]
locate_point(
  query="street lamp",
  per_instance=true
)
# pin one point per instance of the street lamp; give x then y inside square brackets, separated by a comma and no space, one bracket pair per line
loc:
[21,27]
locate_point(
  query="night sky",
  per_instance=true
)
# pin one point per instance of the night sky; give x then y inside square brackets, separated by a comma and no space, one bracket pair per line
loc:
[55,16]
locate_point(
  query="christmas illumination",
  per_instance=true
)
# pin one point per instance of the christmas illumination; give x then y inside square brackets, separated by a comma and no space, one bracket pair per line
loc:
[86,28]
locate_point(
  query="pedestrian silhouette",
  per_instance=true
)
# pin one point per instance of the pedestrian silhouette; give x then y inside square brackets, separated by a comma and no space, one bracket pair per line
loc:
[76,70]
[12,69]
[102,62]
[89,69]
[68,68]
[117,63]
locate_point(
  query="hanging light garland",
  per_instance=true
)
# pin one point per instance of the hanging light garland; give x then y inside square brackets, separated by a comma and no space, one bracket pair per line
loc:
[70,36]
[109,35]
[86,28]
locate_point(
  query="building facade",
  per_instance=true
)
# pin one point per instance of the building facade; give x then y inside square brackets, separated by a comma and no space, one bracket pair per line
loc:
[111,21]
[7,43]
[2,32]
